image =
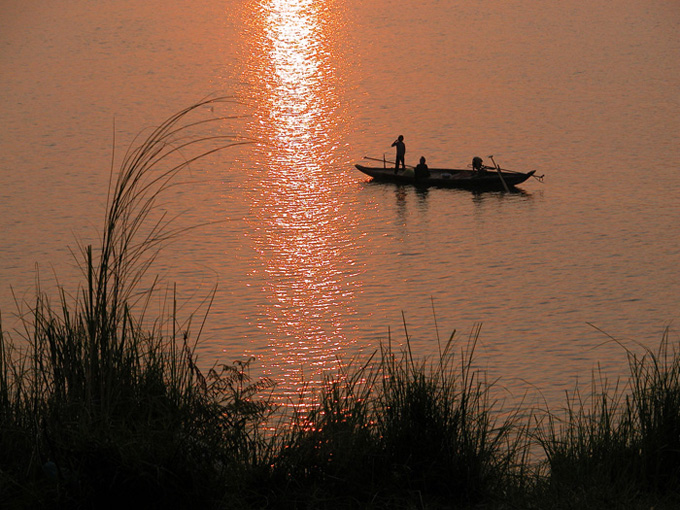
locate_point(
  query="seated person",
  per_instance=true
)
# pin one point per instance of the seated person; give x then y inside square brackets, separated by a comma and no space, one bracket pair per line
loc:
[421,170]
[477,165]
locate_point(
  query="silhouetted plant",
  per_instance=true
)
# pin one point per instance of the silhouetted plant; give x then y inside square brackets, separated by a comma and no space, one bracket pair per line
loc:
[615,446]
[96,404]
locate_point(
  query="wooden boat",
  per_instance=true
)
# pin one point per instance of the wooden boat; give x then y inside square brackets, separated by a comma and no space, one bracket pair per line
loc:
[489,178]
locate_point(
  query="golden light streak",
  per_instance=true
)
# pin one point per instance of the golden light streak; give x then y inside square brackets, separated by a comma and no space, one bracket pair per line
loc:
[304,227]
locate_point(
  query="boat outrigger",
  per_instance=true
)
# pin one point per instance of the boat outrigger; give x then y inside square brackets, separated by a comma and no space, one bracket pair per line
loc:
[479,177]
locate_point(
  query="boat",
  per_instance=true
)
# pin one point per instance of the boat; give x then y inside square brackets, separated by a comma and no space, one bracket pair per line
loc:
[482,179]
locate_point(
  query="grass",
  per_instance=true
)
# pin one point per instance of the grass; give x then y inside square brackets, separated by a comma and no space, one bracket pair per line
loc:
[620,447]
[395,433]
[98,409]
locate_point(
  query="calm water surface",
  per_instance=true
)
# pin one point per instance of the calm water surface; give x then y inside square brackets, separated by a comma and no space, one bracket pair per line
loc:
[312,263]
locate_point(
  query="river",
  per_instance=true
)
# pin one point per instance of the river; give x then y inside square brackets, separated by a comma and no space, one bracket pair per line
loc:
[312,265]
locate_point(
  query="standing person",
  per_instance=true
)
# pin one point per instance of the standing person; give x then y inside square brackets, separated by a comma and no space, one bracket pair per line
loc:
[401,152]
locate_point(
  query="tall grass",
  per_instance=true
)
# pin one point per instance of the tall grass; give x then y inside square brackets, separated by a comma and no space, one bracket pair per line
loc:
[97,407]
[619,446]
[440,428]
[655,410]
[399,432]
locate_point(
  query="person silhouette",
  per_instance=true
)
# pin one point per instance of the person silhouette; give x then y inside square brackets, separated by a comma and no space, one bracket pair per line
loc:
[477,165]
[401,152]
[421,171]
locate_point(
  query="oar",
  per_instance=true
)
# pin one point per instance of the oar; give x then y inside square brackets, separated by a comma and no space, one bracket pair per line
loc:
[383,161]
[498,169]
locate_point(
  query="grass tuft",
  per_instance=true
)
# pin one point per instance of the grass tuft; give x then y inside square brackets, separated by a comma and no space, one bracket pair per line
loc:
[615,446]
[400,431]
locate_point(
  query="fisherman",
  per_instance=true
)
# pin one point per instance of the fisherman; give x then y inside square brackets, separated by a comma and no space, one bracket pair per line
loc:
[421,171]
[401,152]
[477,165]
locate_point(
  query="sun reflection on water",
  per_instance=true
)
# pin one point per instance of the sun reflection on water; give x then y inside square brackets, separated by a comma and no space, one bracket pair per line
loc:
[301,227]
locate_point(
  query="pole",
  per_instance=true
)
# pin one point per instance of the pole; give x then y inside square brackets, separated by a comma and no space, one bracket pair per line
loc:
[498,169]
[384,161]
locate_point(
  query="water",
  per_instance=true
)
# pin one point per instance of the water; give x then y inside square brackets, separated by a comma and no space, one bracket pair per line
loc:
[314,264]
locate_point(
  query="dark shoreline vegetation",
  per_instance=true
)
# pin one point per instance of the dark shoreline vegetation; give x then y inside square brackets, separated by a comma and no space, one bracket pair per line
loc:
[99,410]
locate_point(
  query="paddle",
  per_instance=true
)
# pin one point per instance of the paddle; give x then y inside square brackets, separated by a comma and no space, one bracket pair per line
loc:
[498,169]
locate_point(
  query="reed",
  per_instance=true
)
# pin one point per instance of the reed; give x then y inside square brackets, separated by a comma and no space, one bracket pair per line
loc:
[654,409]
[440,429]
[399,432]
[617,447]
[588,449]
[96,407]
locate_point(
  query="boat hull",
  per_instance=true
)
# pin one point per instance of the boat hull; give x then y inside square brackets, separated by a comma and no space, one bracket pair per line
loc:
[449,178]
